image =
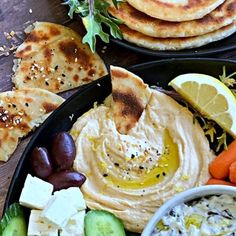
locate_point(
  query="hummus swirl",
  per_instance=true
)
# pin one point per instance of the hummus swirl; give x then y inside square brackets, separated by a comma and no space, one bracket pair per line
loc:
[132,175]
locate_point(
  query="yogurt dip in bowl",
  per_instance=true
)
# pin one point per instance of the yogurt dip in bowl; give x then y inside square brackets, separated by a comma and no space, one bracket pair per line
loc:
[206,210]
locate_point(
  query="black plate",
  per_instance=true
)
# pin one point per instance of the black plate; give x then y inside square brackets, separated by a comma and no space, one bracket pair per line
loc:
[223,45]
[153,73]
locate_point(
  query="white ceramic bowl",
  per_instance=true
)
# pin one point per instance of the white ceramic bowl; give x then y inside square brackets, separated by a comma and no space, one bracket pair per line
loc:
[186,196]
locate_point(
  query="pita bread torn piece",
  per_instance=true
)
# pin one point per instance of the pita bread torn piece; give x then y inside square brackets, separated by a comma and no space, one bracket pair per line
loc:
[54,58]
[20,112]
[130,97]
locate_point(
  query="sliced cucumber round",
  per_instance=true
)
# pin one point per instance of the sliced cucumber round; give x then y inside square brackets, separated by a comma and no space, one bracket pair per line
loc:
[13,222]
[103,223]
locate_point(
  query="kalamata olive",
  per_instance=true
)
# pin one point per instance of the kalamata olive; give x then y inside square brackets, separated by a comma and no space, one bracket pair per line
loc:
[63,151]
[65,179]
[40,162]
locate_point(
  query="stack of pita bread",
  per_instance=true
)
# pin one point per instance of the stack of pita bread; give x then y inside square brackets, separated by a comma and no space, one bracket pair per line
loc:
[175,24]
[52,59]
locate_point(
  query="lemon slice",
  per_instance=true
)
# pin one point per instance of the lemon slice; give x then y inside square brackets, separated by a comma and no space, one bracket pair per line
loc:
[210,97]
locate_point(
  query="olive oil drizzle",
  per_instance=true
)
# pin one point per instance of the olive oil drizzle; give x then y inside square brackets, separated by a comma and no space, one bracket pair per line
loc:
[166,166]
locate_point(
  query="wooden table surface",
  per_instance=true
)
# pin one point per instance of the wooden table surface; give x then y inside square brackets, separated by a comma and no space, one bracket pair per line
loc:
[16,15]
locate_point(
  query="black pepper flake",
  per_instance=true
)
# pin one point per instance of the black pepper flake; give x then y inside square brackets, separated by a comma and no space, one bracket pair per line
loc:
[158,175]
[14,105]
[141,167]
[105,175]
[62,82]
[132,156]
[116,164]
[227,214]
[118,186]
[46,83]
[172,213]
[108,154]
[26,104]
[163,173]
[63,75]
[56,67]
[210,213]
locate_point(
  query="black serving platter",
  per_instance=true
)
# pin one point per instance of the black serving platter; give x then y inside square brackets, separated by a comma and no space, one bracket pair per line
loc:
[224,45]
[154,73]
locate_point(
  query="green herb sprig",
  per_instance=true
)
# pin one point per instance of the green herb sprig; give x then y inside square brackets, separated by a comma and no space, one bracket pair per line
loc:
[94,14]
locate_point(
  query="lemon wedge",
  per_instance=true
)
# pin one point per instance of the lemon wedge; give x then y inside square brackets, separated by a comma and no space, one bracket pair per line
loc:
[210,97]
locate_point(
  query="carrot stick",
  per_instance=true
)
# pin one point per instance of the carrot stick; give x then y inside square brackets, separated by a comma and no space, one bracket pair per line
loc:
[219,182]
[219,168]
[232,172]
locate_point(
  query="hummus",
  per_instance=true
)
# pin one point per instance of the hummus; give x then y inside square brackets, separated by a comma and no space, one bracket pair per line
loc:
[132,175]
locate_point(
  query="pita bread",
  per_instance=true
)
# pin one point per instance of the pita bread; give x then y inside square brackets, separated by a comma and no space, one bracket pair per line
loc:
[54,58]
[20,112]
[130,97]
[224,15]
[162,44]
[176,10]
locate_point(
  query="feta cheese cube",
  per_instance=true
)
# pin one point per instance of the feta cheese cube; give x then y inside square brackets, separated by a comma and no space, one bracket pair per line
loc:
[58,210]
[36,193]
[75,225]
[39,226]
[74,197]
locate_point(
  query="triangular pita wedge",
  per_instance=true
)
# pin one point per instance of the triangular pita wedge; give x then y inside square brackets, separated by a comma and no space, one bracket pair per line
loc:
[20,112]
[54,58]
[163,44]
[130,97]
[223,15]
[176,10]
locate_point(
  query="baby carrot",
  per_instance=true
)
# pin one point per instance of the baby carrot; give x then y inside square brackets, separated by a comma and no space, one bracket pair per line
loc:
[232,172]
[219,182]
[219,168]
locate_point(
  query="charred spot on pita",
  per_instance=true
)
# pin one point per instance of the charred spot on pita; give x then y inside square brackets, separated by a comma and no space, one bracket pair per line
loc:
[69,49]
[37,36]
[75,78]
[131,105]
[54,31]
[49,107]
[47,54]
[91,72]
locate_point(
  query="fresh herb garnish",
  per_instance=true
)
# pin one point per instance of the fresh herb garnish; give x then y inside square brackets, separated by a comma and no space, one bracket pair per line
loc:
[94,14]
[222,141]
[228,80]
[210,131]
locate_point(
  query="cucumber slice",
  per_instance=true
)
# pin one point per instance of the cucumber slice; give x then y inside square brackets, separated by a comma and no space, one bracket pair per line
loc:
[103,223]
[13,222]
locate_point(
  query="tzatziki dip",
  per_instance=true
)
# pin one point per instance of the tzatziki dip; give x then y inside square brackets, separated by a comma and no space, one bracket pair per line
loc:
[214,215]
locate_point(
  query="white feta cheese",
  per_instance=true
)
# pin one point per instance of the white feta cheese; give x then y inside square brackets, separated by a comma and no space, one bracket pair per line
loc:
[74,197]
[58,210]
[39,226]
[75,225]
[36,193]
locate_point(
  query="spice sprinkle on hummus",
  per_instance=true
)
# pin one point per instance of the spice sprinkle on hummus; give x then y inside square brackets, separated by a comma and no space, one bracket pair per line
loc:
[133,174]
